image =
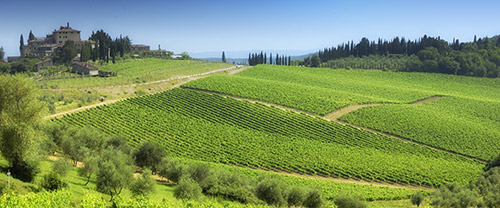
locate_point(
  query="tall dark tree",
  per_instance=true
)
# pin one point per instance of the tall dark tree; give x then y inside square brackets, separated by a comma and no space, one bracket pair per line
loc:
[223,57]
[31,36]
[21,43]
[271,57]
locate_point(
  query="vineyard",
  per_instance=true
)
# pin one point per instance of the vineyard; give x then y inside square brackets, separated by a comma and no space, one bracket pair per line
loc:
[464,121]
[460,125]
[134,71]
[317,91]
[223,130]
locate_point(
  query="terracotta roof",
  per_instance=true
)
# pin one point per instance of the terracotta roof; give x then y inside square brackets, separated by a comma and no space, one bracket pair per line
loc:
[86,65]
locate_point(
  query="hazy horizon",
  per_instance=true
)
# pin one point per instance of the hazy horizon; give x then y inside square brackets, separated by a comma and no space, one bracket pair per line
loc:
[199,27]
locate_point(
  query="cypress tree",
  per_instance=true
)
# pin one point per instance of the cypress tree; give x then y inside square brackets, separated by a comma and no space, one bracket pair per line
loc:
[31,36]
[21,43]
[289,60]
[271,57]
[223,57]
[277,59]
[265,58]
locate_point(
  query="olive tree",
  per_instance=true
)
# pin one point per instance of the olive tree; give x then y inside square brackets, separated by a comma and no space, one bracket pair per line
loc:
[20,113]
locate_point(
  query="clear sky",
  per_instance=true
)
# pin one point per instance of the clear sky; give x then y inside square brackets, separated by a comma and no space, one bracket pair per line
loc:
[232,25]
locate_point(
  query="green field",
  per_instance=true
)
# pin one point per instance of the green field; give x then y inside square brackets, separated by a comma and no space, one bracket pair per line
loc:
[136,71]
[315,90]
[461,125]
[464,121]
[223,130]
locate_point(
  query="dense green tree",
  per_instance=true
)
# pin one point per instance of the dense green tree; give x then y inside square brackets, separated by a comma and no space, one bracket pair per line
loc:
[315,61]
[114,172]
[20,112]
[149,155]
[2,53]
[144,185]
[417,199]
[85,53]
[296,196]
[223,57]
[68,52]
[187,189]
[272,191]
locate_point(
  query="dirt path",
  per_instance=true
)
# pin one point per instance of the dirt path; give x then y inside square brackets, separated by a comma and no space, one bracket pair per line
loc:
[187,78]
[333,116]
[239,70]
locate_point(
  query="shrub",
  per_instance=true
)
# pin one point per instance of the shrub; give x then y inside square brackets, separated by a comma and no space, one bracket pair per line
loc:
[172,169]
[271,191]
[187,189]
[314,199]
[25,170]
[61,167]
[53,181]
[232,186]
[417,198]
[143,185]
[296,197]
[200,172]
[349,202]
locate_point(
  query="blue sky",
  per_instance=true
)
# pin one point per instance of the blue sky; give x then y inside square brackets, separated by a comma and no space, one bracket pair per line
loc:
[209,25]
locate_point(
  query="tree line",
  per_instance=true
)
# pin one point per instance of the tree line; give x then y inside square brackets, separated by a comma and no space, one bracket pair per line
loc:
[480,57]
[263,58]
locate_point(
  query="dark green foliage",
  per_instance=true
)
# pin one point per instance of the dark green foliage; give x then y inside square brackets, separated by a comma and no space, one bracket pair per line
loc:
[2,54]
[172,169]
[296,196]
[143,185]
[232,186]
[67,53]
[25,170]
[223,57]
[85,53]
[61,167]
[21,43]
[149,155]
[187,189]
[261,58]
[200,173]
[271,191]
[455,196]
[479,58]
[349,202]
[52,182]
[313,199]
[315,61]
[31,36]
[417,199]
[119,143]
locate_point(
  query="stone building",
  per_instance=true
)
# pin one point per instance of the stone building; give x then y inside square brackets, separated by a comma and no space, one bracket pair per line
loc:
[47,46]
[85,69]
[138,48]
[43,64]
